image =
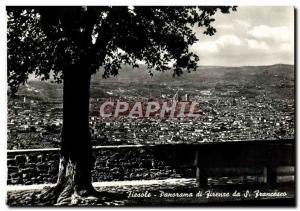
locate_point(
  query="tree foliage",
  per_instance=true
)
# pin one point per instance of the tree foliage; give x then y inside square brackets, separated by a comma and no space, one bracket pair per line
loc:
[47,40]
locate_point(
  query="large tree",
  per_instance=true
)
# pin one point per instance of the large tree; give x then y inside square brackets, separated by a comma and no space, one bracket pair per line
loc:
[71,43]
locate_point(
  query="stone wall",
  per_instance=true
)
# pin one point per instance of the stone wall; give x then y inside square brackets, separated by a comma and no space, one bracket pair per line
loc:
[131,162]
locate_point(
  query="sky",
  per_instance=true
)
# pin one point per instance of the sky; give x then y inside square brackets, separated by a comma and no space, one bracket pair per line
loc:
[253,35]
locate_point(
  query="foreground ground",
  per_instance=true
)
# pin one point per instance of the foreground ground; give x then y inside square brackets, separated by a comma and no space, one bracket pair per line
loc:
[171,192]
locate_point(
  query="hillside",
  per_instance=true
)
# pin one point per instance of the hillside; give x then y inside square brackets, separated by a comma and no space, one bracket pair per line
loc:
[207,75]
[276,76]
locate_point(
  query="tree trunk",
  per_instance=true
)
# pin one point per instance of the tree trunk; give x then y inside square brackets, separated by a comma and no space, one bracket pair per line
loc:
[76,149]
[76,160]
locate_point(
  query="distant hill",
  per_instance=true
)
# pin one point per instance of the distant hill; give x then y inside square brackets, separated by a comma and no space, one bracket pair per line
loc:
[41,90]
[206,76]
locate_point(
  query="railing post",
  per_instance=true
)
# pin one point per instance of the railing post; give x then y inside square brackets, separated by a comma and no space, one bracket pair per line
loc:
[271,175]
[201,173]
[202,177]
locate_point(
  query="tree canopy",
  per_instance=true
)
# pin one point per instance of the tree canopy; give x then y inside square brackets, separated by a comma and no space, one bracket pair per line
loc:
[45,40]
[71,43]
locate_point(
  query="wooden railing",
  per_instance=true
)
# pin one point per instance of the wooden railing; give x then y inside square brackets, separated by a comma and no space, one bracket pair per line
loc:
[268,155]
[187,160]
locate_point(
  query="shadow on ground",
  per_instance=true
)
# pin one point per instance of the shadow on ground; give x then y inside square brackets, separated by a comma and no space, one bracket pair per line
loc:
[184,193]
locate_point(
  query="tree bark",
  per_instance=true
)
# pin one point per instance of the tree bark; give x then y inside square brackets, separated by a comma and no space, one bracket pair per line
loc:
[76,160]
[76,149]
